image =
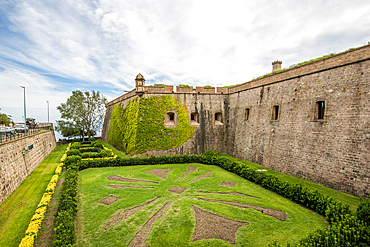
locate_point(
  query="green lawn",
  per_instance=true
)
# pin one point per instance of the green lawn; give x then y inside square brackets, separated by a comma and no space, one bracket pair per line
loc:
[17,210]
[177,224]
[351,200]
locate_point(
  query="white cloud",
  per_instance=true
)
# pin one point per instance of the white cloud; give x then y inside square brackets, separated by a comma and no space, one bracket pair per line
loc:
[104,44]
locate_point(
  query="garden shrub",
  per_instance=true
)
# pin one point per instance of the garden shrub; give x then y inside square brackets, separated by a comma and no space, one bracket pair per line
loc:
[106,153]
[73,152]
[64,230]
[210,152]
[363,210]
[86,142]
[91,139]
[76,145]
[98,145]
[91,155]
[85,150]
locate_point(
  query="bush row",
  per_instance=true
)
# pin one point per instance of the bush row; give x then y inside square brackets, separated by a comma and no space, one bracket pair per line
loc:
[64,228]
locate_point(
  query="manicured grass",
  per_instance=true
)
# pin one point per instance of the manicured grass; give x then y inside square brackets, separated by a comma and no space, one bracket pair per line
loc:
[351,200]
[114,150]
[177,224]
[17,210]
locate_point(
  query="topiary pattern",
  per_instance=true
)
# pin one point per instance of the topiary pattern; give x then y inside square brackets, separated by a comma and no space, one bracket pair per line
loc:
[140,126]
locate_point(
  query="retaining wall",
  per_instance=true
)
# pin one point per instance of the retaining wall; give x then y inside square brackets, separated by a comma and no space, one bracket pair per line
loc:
[15,166]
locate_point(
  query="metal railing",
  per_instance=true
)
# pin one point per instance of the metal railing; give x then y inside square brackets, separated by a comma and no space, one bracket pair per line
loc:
[6,137]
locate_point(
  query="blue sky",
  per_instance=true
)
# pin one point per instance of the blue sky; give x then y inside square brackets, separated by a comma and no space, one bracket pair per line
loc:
[55,47]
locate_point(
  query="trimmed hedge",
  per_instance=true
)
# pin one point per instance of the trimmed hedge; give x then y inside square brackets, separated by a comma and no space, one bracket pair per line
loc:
[91,155]
[346,230]
[85,150]
[64,228]
[73,152]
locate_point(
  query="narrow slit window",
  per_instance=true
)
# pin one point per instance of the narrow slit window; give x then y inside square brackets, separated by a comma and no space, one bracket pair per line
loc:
[218,118]
[275,112]
[172,116]
[194,118]
[247,114]
[320,109]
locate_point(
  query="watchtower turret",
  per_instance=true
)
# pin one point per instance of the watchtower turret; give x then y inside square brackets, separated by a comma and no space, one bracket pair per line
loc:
[140,84]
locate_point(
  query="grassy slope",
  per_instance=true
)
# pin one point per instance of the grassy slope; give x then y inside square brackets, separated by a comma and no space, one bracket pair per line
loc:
[352,201]
[177,226]
[17,210]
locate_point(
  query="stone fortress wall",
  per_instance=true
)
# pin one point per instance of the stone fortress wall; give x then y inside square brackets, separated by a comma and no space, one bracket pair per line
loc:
[16,163]
[311,121]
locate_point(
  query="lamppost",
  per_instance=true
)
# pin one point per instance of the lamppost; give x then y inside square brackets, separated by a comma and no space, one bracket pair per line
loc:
[48,112]
[25,121]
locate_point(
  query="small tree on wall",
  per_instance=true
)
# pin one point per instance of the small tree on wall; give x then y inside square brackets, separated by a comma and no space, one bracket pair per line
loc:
[83,114]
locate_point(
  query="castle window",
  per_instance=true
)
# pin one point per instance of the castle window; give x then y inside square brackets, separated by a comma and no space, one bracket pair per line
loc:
[275,112]
[170,119]
[194,118]
[320,110]
[218,118]
[246,114]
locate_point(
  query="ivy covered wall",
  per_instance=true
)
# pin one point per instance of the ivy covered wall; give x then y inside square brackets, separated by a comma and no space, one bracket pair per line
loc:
[140,126]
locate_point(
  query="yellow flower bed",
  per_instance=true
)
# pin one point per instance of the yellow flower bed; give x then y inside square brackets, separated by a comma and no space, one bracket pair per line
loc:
[37,218]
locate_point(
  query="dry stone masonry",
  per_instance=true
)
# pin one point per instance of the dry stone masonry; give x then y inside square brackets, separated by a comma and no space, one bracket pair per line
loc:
[311,121]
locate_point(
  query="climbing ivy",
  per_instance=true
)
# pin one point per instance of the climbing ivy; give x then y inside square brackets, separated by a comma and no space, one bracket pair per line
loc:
[140,126]
[115,132]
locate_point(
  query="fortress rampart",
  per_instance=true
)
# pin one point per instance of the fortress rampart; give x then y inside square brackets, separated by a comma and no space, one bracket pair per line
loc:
[311,121]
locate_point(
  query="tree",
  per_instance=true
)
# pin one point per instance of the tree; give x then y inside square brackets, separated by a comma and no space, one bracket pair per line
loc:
[5,119]
[31,122]
[83,114]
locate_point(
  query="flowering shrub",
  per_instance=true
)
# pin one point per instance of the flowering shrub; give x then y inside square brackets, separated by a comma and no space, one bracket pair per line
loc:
[37,218]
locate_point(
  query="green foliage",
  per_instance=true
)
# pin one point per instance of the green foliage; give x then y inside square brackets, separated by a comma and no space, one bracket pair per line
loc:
[151,132]
[210,152]
[346,230]
[159,85]
[98,145]
[76,145]
[83,114]
[86,150]
[106,153]
[140,127]
[363,210]
[91,139]
[5,119]
[117,124]
[232,85]
[64,230]
[208,86]
[183,85]
[91,155]
[73,152]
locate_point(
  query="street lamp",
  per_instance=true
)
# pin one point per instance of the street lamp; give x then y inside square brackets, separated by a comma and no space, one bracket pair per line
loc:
[48,112]
[25,121]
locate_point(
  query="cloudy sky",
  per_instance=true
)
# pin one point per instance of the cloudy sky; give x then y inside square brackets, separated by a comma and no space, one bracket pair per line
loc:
[54,47]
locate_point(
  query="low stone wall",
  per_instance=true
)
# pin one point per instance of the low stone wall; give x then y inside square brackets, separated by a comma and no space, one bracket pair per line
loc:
[16,165]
